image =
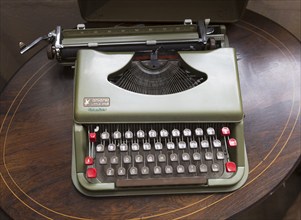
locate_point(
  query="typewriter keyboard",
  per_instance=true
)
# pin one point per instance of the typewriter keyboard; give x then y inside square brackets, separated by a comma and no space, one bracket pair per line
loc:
[159,154]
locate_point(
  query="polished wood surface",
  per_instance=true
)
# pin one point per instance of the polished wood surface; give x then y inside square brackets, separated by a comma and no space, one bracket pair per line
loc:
[36,122]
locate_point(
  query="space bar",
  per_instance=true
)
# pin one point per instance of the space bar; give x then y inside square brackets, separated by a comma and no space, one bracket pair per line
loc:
[161,181]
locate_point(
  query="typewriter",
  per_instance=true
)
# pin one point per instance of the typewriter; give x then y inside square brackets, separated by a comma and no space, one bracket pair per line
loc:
[157,108]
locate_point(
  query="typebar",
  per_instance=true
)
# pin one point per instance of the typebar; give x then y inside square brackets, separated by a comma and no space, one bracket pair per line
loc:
[161,181]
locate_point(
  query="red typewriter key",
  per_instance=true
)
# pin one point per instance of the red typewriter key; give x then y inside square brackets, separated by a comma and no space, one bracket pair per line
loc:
[225,131]
[89,160]
[230,167]
[91,173]
[232,142]
[92,137]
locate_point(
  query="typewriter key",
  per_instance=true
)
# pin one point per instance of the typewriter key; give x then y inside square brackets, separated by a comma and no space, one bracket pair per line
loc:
[225,131]
[217,143]
[191,168]
[193,144]
[150,158]
[121,171]
[114,160]
[220,155]
[146,146]
[123,147]
[117,135]
[199,132]
[175,133]
[158,146]
[210,131]
[102,160]
[89,160]
[204,144]
[180,169]
[140,134]
[161,158]
[215,167]
[110,171]
[100,148]
[208,156]
[152,133]
[157,170]
[111,147]
[138,158]
[135,147]
[144,170]
[174,157]
[105,135]
[196,156]
[187,132]
[128,135]
[203,168]
[164,133]
[168,169]
[182,145]
[170,146]
[133,171]
[185,157]
[127,159]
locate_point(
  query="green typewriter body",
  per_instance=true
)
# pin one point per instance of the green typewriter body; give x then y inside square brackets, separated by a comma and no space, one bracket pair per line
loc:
[157,102]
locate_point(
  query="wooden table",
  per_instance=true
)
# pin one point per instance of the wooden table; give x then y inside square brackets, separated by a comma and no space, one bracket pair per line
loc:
[35,136]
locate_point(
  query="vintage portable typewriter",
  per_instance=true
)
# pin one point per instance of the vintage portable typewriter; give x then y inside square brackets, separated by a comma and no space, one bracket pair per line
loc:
[157,108]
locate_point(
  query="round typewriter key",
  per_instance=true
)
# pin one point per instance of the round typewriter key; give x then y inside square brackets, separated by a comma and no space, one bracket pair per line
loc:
[100,148]
[150,158]
[225,131]
[210,131]
[185,157]
[111,147]
[152,133]
[182,145]
[144,170]
[110,171]
[203,168]
[161,158]
[191,168]
[105,135]
[196,156]
[168,169]
[204,144]
[232,142]
[215,167]
[92,137]
[102,160]
[138,158]
[175,133]
[193,144]
[117,135]
[187,132]
[170,146]
[127,159]
[220,155]
[146,146]
[158,146]
[121,171]
[199,132]
[174,157]
[128,135]
[135,147]
[140,134]
[164,133]
[208,156]
[157,170]
[230,167]
[114,160]
[123,147]
[91,173]
[180,169]
[133,171]
[89,160]
[217,143]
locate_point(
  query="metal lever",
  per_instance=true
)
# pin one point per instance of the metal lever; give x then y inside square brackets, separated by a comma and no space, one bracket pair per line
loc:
[23,47]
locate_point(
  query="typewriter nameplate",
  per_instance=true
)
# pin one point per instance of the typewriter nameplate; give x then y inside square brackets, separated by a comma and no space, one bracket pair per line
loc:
[96,102]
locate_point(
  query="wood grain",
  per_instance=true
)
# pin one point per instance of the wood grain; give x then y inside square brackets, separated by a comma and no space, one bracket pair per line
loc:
[36,122]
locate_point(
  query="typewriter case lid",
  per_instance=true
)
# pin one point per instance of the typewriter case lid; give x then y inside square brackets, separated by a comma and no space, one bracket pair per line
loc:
[163,11]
